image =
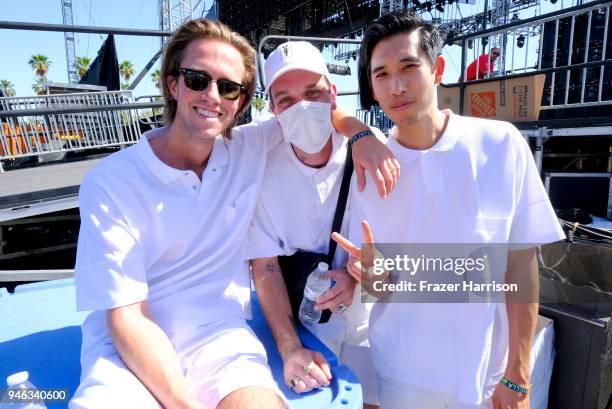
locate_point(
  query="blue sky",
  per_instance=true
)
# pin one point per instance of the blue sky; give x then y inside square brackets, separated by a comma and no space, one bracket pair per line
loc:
[18,46]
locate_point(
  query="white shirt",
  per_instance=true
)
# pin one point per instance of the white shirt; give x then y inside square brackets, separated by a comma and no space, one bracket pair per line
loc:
[477,184]
[295,212]
[297,204]
[152,232]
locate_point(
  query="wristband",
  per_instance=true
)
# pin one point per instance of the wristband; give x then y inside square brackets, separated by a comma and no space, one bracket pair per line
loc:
[360,135]
[516,388]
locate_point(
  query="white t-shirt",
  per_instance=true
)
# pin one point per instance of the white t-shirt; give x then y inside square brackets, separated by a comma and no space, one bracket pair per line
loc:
[477,184]
[152,232]
[297,203]
[295,212]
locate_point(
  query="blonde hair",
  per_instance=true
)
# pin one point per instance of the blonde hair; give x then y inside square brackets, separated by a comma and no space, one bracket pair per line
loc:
[210,30]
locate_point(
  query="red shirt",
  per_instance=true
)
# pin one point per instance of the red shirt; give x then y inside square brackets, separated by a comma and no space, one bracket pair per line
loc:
[484,70]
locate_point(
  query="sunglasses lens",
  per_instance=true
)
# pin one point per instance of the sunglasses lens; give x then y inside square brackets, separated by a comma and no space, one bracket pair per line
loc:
[228,89]
[196,81]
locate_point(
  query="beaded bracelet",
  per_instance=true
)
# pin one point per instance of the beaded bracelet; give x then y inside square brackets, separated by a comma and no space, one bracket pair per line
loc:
[360,135]
[517,388]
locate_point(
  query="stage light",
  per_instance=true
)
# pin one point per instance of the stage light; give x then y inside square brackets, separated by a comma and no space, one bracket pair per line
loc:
[440,7]
[520,41]
[416,3]
[354,56]
[485,41]
[427,6]
[338,69]
[470,44]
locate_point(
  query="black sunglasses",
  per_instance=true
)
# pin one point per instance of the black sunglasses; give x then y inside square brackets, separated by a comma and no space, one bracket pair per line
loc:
[199,81]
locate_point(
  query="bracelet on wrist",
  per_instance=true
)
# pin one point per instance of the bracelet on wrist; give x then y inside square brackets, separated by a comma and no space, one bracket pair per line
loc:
[360,135]
[289,352]
[524,389]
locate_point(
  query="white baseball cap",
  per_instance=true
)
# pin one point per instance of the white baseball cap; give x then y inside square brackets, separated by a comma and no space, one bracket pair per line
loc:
[293,55]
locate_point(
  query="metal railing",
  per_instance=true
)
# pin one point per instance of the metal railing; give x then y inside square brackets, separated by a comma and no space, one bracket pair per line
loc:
[576,73]
[31,126]
[316,40]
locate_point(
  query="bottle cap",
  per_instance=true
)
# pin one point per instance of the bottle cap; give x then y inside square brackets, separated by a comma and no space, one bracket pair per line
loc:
[322,266]
[17,378]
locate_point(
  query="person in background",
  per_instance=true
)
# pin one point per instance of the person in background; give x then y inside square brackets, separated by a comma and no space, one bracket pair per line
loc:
[483,66]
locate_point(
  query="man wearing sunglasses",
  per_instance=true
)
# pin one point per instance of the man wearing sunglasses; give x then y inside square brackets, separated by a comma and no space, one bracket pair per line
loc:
[160,253]
[306,171]
[484,65]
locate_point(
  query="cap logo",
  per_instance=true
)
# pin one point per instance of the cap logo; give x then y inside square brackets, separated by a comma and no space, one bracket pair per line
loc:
[285,50]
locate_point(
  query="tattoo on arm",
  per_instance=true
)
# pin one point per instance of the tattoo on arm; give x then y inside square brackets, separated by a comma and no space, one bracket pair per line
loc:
[271,266]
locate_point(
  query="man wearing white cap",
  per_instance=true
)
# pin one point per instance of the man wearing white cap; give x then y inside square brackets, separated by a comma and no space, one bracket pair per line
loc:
[295,212]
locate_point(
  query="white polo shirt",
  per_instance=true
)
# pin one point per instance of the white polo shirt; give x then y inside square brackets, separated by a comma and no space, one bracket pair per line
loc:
[152,232]
[477,184]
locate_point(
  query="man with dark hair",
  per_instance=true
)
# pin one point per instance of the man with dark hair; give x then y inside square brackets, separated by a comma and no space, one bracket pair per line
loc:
[464,180]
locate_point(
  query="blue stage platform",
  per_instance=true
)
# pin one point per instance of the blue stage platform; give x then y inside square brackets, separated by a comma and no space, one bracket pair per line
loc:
[40,332]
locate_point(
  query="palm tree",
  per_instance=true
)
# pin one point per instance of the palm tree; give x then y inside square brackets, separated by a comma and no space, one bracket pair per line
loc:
[82,65]
[8,87]
[40,63]
[156,78]
[259,103]
[38,86]
[126,69]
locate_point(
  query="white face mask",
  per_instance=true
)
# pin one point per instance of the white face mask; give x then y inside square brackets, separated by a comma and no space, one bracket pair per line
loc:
[307,125]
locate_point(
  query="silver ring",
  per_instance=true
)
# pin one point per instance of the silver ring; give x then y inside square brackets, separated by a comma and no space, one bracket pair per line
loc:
[341,308]
[293,384]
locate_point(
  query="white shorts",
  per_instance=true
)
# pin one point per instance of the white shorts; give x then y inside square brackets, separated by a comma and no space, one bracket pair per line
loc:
[410,396]
[216,359]
[352,349]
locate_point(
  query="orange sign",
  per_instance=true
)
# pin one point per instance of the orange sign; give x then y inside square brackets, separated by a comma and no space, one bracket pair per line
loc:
[483,104]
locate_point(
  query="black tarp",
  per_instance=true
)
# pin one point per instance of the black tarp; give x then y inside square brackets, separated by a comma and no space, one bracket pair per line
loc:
[2,109]
[104,70]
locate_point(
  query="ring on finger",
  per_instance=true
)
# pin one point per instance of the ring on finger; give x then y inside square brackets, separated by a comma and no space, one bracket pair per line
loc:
[308,368]
[293,383]
[341,308]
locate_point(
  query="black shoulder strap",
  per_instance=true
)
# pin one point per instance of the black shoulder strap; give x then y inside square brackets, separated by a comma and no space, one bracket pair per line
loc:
[341,205]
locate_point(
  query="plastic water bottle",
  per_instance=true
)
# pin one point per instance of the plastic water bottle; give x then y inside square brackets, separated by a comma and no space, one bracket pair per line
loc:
[20,380]
[317,283]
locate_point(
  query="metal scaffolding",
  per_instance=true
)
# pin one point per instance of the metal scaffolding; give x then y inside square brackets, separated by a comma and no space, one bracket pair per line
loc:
[388,6]
[173,13]
[69,40]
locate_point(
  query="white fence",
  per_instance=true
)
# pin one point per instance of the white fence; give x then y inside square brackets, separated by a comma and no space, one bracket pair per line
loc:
[31,126]
[572,48]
